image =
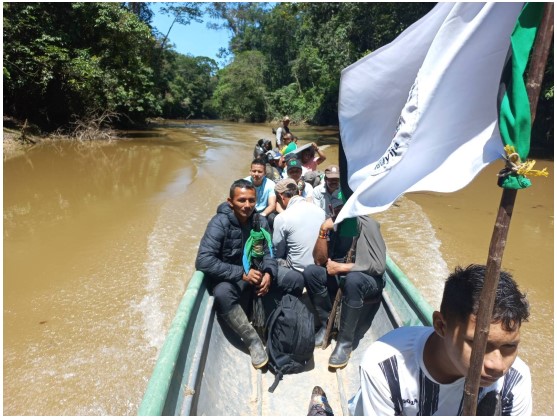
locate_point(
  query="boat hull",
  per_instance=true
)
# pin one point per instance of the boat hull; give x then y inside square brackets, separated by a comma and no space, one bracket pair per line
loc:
[204,368]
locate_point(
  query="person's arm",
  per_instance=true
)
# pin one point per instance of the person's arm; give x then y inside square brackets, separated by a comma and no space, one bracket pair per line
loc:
[321,155]
[278,137]
[209,258]
[271,204]
[321,248]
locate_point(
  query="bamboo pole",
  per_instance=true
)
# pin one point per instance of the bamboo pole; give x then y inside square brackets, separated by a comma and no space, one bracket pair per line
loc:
[502,224]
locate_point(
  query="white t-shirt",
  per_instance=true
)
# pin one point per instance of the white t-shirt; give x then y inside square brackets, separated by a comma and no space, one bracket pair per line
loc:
[295,232]
[393,378]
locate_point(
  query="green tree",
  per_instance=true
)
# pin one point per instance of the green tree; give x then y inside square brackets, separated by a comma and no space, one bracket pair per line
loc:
[63,61]
[240,93]
[191,82]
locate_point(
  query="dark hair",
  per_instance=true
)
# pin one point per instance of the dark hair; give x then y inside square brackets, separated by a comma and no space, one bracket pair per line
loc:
[259,160]
[461,297]
[242,184]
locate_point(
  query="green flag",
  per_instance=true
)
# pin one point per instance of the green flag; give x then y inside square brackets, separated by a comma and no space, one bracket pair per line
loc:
[514,107]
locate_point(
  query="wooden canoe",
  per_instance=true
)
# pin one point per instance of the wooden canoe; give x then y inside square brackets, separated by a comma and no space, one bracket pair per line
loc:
[204,370]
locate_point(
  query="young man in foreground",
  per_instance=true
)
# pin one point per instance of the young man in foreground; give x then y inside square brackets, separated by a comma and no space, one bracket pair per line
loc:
[220,259]
[421,370]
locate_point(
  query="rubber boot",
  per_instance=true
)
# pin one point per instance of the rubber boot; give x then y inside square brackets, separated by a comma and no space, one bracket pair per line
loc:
[238,321]
[323,306]
[349,317]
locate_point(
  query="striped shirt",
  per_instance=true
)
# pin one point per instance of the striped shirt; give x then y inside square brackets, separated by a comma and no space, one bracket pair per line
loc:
[394,381]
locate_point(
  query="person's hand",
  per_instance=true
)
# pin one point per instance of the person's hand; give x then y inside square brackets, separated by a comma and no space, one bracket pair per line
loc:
[254,277]
[328,224]
[314,146]
[333,268]
[265,285]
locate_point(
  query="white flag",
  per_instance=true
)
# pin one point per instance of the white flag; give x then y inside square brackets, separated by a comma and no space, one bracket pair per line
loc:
[420,114]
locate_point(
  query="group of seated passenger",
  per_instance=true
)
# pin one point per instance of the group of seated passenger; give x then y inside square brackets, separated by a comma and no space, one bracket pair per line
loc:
[306,251]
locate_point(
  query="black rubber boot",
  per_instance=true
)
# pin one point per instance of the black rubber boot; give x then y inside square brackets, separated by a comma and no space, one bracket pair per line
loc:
[238,321]
[348,321]
[323,306]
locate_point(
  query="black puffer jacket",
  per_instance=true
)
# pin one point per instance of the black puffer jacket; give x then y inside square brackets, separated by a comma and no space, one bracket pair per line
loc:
[222,246]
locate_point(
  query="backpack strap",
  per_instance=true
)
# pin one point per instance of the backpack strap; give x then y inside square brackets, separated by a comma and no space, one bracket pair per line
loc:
[278,377]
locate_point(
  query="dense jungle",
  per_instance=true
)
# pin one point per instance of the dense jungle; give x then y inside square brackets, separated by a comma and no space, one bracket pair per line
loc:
[70,67]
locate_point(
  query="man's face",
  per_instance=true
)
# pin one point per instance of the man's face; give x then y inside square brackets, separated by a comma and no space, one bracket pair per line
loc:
[332,184]
[295,173]
[500,352]
[257,172]
[243,203]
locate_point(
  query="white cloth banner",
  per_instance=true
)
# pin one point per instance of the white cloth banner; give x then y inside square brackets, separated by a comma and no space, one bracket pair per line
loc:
[420,114]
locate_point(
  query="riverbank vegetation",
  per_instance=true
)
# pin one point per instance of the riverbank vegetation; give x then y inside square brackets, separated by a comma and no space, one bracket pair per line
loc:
[67,64]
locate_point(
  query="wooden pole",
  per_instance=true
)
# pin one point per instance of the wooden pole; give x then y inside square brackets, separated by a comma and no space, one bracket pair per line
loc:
[501,228]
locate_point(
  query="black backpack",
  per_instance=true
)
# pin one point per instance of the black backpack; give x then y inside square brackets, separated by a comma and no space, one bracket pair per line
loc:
[290,338]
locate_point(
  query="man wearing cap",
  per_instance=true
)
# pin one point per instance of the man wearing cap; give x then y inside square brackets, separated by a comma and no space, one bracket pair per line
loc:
[322,194]
[283,129]
[272,169]
[362,275]
[295,232]
[294,172]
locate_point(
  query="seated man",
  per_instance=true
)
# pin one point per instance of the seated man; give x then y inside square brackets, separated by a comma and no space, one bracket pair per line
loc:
[323,193]
[363,276]
[289,144]
[295,231]
[272,169]
[264,188]
[220,259]
[294,172]
[262,147]
[420,370]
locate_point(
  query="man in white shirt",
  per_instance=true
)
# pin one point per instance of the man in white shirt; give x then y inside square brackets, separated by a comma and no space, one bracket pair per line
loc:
[283,129]
[295,232]
[323,193]
[421,370]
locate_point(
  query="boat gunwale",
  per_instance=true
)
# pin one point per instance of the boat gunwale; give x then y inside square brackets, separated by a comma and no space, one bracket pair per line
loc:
[155,399]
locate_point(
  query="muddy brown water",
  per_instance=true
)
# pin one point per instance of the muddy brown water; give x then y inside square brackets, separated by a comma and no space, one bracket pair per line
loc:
[100,240]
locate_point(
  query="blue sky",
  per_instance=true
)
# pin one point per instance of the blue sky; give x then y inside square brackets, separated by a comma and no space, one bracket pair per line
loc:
[194,39]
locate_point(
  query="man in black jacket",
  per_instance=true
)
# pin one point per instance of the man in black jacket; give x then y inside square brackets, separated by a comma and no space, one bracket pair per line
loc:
[220,259]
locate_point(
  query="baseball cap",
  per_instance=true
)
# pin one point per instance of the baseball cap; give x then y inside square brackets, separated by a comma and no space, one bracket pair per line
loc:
[282,185]
[332,172]
[293,164]
[275,155]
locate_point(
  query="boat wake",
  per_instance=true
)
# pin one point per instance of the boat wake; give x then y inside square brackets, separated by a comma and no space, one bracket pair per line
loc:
[413,245]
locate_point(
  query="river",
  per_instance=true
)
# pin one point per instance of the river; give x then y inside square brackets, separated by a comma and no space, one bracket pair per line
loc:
[100,240]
